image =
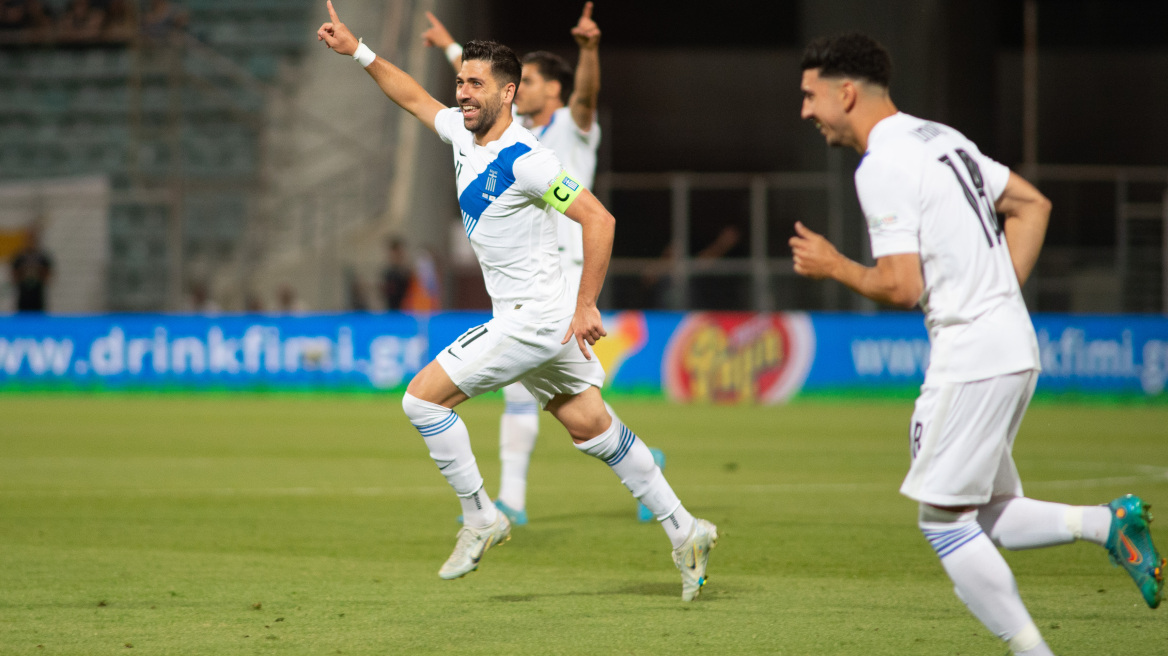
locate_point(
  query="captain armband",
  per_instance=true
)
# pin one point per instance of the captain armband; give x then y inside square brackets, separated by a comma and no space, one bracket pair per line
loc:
[562,191]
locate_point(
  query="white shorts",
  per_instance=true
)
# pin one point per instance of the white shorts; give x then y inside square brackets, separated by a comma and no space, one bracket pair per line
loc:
[961,439]
[494,355]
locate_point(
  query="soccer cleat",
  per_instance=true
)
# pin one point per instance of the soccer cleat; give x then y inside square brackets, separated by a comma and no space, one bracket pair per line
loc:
[1130,544]
[472,544]
[643,512]
[691,558]
[516,517]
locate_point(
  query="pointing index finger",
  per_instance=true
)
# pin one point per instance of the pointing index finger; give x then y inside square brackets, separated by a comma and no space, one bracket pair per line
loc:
[587,11]
[332,12]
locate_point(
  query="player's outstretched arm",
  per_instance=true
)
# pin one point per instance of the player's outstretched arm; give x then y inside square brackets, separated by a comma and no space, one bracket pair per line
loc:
[396,83]
[437,36]
[895,280]
[598,227]
[586,92]
[1027,213]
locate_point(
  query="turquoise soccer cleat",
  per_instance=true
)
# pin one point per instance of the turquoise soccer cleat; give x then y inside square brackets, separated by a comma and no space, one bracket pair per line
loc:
[643,513]
[517,517]
[1130,544]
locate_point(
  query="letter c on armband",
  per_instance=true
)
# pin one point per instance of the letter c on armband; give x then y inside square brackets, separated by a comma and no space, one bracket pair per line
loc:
[562,191]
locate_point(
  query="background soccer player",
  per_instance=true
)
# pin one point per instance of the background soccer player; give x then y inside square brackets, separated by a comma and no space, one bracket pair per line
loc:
[931,200]
[509,190]
[559,107]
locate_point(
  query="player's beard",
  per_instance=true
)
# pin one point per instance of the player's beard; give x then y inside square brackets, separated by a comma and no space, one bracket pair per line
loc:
[488,114]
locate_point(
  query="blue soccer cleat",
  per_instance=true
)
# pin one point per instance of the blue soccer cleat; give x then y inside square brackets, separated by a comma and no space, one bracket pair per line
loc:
[1130,544]
[643,513]
[517,517]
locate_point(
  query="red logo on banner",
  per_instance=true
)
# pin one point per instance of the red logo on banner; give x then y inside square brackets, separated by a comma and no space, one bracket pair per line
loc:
[729,357]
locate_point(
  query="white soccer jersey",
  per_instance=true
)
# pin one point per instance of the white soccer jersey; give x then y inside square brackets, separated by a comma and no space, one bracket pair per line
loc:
[510,227]
[576,149]
[925,188]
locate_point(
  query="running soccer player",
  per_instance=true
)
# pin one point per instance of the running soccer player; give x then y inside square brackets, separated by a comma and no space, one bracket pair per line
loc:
[559,107]
[931,200]
[509,190]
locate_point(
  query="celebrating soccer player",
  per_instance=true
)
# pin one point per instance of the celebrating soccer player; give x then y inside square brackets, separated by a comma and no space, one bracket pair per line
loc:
[559,107]
[510,188]
[931,200]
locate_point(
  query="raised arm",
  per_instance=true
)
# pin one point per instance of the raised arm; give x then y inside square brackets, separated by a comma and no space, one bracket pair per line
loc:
[598,227]
[1027,213]
[582,104]
[437,36]
[895,280]
[396,83]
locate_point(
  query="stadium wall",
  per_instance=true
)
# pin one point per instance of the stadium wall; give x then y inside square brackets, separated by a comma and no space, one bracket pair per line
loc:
[698,357]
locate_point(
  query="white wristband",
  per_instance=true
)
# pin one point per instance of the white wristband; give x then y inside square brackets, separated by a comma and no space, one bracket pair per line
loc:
[364,55]
[453,52]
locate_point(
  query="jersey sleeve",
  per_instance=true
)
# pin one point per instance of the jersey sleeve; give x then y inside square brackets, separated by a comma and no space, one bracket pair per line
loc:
[995,173]
[447,122]
[539,174]
[890,201]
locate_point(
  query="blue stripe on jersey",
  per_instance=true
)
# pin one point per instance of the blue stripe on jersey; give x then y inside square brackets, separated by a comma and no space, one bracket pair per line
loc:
[438,426]
[490,184]
[946,541]
[627,438]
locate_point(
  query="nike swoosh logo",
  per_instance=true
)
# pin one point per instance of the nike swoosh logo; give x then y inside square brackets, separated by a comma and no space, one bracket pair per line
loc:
[1133,555]
[453,355]
[443,464]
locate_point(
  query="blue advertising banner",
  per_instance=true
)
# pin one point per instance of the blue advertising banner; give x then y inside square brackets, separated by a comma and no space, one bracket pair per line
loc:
[721,357]
[251,351]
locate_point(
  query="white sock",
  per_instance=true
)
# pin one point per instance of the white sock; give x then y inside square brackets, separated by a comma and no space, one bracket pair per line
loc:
[1022,523]
[612,413]
[981,578]
[518,428]
[449,444]
[631,460]
[1093,523]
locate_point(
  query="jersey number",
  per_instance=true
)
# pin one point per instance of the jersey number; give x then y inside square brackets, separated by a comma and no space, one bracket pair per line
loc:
[981,205]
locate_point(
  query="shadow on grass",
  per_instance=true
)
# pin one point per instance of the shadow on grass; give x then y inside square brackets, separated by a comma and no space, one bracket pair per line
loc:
[638,589]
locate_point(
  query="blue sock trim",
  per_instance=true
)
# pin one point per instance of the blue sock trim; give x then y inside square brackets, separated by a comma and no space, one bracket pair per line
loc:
[521,408]
[438,426]
[627,437]
[946,541]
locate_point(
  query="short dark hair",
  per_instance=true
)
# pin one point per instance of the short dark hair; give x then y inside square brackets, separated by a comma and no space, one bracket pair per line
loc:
[554,67]
[504,64]
[852,55]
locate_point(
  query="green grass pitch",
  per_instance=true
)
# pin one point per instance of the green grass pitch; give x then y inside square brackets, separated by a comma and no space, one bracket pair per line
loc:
[258,524]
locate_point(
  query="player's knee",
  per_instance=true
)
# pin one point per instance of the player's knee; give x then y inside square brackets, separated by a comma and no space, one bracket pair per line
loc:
[423,413]
[930,514]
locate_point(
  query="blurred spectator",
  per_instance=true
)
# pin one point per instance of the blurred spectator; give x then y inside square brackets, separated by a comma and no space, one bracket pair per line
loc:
[657,287]
[32,270]
[253,303]
[287,302]
[424,294]
[81,22]
[12,17]
[199,301]
[162,20]
[24,21]
[396,276]
[120,24]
